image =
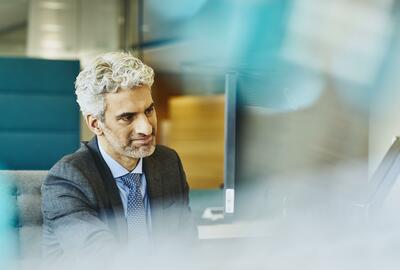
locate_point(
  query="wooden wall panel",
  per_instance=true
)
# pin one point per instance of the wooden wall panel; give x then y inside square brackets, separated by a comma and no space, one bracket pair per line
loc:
[196,132]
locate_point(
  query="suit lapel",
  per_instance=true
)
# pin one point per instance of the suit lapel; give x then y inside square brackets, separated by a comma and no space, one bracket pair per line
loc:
[155,191]
[111,193]
[159,193]
[153,181]
[158,196]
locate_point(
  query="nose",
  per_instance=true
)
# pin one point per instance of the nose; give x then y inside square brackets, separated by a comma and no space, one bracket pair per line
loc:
[143,126]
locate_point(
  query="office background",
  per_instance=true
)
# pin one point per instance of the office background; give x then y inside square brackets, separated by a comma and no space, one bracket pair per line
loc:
[192,45]
[318,83]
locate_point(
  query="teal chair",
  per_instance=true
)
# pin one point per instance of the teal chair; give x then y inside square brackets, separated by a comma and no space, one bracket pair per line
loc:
[20,218]
[39,117]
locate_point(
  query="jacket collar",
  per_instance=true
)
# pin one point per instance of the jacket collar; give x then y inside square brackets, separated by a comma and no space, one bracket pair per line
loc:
[153,178]
[105,172]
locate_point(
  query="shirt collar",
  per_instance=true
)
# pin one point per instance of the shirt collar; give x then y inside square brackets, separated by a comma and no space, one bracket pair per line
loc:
[117,169]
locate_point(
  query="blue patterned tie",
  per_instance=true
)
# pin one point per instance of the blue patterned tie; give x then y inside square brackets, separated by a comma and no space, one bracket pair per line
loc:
[136,215]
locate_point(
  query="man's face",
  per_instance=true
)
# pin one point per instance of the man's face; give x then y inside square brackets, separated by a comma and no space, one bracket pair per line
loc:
[130,123]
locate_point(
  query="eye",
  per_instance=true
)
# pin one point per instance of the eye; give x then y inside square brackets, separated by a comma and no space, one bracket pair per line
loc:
[149,111]
[126,118]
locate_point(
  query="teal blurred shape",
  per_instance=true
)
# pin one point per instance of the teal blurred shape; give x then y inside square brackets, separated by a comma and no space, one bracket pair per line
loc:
[176,9]
[231,32]
[8,237]
[263,28]
[247,37]
[279,86]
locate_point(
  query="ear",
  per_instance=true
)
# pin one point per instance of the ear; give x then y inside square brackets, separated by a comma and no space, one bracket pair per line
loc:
[94,124]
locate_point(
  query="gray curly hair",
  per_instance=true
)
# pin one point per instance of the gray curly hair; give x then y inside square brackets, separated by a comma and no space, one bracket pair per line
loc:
[106,74]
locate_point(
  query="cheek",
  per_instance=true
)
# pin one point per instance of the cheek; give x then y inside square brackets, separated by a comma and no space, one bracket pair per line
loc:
[125,135]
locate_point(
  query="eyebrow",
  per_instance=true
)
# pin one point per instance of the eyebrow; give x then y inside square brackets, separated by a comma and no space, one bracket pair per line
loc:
[129,114]
[125,114]
[151,105]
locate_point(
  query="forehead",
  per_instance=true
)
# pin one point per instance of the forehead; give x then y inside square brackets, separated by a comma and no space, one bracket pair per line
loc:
[128,100]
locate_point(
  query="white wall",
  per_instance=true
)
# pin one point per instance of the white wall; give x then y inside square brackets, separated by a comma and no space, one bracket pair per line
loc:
[72,28]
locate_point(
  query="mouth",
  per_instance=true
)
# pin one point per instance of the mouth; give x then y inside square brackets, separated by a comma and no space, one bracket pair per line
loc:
[143,141]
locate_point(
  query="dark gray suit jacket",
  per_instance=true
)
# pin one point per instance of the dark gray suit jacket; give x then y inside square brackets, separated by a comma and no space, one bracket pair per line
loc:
[82,208]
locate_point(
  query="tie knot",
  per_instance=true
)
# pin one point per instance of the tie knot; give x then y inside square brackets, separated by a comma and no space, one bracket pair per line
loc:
[132,180]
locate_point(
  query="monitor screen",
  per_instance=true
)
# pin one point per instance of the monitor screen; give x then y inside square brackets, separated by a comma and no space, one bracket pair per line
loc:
[283,121]
[383,180]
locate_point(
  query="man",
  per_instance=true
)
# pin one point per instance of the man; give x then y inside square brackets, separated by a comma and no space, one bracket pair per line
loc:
[120,187]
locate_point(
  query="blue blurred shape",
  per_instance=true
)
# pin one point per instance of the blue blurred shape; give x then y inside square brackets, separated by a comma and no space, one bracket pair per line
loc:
[176,9]
[39,117]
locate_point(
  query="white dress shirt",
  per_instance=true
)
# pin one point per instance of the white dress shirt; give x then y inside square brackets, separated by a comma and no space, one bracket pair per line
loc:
[118,171]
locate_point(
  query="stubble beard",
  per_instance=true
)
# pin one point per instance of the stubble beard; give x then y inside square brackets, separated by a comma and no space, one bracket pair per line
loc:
[129,150]
[138,152]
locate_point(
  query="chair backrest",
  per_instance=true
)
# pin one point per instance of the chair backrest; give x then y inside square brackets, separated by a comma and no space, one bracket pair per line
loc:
[39,115]
[23,194]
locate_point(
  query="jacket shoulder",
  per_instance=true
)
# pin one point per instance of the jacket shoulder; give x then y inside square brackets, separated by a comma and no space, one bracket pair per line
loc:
[77,162]
[73,175]
[162,149]
[165,153]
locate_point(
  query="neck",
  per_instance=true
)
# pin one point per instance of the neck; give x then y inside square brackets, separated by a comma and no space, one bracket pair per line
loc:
[127,162]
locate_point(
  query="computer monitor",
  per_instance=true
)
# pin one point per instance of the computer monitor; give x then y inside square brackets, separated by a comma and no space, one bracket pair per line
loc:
[253,152]
[230,141]
[251,96]
[383,180]
[268,134]
[254,96]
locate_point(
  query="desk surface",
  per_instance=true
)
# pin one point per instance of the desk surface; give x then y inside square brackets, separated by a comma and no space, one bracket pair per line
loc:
[242,229]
